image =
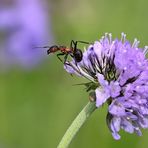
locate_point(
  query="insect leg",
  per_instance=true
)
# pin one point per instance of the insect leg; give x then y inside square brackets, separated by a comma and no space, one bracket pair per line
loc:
[65,58]
[58,56]
[72,43]
[83,42]
[75,45]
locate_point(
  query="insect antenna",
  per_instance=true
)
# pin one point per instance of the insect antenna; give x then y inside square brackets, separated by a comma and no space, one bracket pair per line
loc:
[43,47]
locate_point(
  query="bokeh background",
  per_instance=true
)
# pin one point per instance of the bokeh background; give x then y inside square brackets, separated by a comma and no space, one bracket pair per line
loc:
[38,99]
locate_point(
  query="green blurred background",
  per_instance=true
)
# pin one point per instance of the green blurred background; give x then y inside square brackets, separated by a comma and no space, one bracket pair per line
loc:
[37,106]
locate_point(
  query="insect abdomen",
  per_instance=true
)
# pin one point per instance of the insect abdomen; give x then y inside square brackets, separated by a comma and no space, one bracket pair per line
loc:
[78,55]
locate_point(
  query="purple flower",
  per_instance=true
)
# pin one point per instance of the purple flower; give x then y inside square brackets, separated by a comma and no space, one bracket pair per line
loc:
[23,26]
[119,71]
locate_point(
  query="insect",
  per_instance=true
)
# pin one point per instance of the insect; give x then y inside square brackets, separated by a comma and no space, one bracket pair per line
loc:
[73,51]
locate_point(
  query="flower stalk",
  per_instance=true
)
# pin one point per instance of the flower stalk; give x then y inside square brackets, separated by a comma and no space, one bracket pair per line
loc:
[77,124]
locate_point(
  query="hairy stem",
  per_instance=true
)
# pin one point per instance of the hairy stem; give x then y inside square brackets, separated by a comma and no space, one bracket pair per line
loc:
[77,124]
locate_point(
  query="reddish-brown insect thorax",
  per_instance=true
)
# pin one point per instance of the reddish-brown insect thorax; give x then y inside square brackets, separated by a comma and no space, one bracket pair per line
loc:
[65,49]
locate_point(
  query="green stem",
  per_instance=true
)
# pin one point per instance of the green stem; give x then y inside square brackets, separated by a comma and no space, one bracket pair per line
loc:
[76,124]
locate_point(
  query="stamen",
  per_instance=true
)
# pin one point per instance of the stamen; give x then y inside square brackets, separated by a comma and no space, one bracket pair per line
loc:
[137,128]
[85,49]
[136,43]
[139,101]
[130,110]
[106,34]
[112,43]
[123,37]
[102,38]
[139,63]
[110,37]
[145,50]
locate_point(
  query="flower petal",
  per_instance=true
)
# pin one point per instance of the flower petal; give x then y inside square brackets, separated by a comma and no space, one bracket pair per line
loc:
[127,126]
[115,127]
[101,96]
[117,109]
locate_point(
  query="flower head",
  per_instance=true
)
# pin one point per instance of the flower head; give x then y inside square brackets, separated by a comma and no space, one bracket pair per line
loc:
[119,72]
